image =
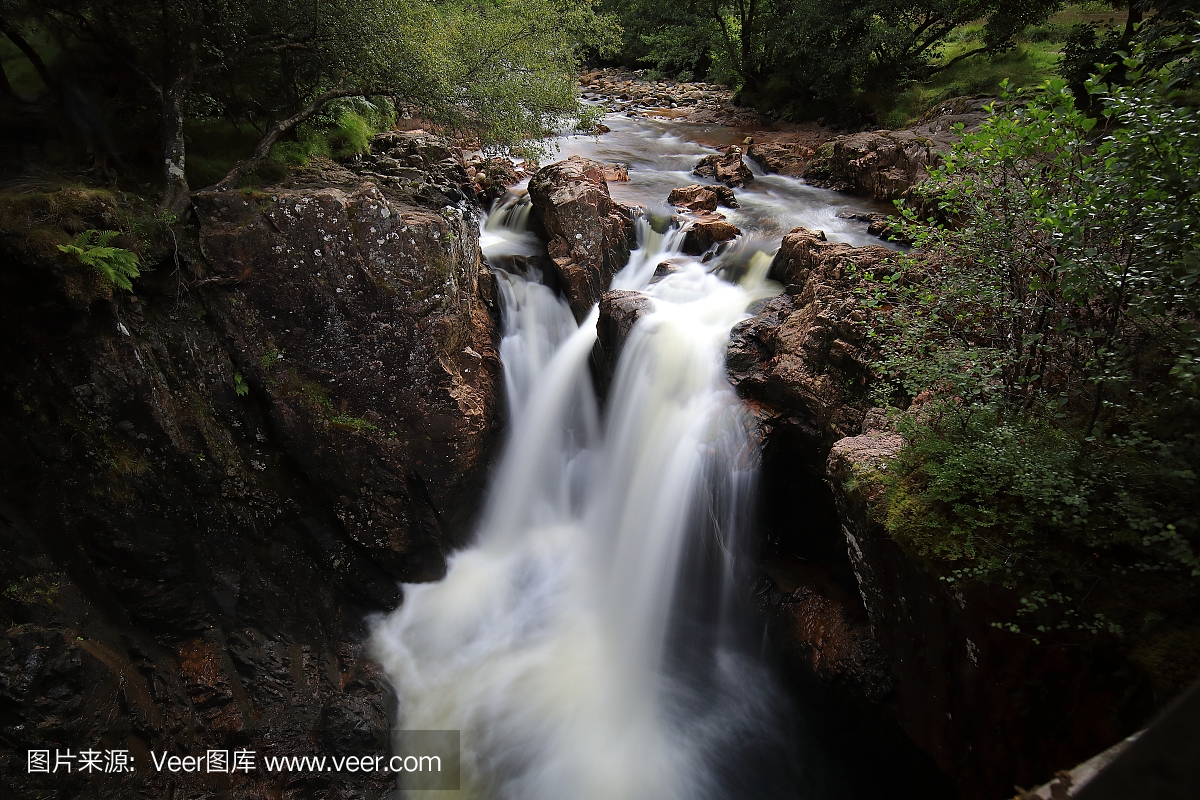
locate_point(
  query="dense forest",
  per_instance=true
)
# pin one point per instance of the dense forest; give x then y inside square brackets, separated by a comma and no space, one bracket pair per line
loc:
[1032,335]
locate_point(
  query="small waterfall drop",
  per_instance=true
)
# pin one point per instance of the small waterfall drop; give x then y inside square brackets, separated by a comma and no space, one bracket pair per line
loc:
[565,643]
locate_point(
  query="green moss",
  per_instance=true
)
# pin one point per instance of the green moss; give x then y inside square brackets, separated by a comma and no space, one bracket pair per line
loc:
[310,393]
[41,588]
[271,358]
[347,422]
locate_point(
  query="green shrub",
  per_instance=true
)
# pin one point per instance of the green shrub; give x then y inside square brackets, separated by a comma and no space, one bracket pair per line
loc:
[1052,334]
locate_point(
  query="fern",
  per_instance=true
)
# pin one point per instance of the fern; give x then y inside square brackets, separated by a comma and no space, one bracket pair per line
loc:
[115,264]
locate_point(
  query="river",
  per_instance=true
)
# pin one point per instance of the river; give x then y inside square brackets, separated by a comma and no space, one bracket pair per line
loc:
[595,640]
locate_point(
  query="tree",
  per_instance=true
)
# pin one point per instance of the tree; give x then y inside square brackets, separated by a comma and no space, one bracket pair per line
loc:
[822,52]
[501,67]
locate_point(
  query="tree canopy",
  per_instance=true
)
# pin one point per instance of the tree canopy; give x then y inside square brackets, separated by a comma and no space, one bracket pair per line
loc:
[502,69]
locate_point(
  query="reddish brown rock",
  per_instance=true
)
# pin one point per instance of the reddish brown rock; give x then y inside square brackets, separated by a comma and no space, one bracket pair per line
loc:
[619,312]
[784,158]
[366,323]
[588,235]
[289,415]
[883,165]
[702,198]
[727,168]
[693,198]
[708,229]
[805,349]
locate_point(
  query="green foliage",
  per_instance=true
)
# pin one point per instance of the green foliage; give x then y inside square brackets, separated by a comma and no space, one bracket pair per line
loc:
[116,265]
[1052,336]
[813,58]
[502,70]
[240,388]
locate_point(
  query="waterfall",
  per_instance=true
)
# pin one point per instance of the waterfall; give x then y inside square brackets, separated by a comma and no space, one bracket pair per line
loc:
[586,643]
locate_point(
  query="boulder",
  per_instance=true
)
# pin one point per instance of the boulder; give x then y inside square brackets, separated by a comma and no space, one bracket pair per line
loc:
[619,312]
[727,168]
[702,198]
[883,165]
[588,235]
[784,158]
[885,226]
[705,231]
[364,320]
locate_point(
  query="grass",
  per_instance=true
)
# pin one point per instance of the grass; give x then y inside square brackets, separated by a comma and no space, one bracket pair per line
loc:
[1033,60]
[21,74]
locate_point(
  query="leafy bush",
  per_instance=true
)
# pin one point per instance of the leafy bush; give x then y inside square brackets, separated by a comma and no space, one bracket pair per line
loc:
[116,265]
[1053,337]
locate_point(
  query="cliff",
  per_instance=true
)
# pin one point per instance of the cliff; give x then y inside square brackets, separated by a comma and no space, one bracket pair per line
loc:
[209,482]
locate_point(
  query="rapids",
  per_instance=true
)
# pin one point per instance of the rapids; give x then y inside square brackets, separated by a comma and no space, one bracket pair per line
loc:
[594,641]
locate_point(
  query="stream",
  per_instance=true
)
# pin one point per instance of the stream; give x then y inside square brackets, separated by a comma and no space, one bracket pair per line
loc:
[596,641]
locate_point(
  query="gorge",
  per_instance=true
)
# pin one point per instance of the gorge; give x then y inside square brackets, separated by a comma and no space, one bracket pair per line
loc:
[614,468]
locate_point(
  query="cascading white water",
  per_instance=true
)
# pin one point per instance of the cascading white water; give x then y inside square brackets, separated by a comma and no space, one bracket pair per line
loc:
[547,642]
[586,643]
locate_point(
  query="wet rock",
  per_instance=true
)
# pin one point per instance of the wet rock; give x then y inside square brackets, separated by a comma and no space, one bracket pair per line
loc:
[784,158]
[492,178]
[706,230]
[804,353]
[820,635]
[664,269]
[619,312]
[727,168]
[885,226]
[702,198]
[588,235]
[616,172]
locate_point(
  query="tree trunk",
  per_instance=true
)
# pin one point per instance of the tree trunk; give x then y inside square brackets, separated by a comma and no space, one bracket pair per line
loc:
[6,89]
[277,130]
[175,186]
[30,53]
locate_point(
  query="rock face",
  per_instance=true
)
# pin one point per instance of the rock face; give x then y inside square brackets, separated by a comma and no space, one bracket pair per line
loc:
[588,235]
[619,312]
[207,485]
[802,356]
[702,198]
[362,315]
[727,168]
[992,709]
